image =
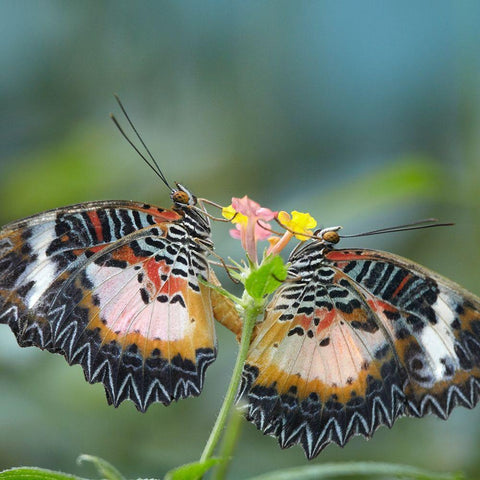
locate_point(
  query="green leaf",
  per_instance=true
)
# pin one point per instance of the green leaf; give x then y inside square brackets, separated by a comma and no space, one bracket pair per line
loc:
[266,278]
[356,469]
[105,469]
[192,471]
[33,473]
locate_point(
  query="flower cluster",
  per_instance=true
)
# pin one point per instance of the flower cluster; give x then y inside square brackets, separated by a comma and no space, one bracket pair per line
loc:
[252,224]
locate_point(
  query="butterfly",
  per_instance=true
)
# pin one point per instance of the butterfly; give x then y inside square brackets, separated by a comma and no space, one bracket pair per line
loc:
[116,286]
[354,339]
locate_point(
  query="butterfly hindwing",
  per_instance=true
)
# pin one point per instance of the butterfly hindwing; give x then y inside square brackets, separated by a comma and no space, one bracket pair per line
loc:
[435,325]
[114,287]
[354,339]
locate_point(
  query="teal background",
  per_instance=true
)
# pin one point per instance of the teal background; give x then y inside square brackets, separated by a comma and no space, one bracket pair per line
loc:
[366,114]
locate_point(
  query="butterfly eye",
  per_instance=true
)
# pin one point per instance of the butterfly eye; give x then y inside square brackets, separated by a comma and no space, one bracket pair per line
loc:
[181,197]
[330,236]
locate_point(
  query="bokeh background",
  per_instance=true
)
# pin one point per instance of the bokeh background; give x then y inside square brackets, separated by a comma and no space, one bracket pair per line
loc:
[365,114]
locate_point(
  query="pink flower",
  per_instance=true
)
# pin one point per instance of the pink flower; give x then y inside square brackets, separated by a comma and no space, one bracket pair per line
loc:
[249,218]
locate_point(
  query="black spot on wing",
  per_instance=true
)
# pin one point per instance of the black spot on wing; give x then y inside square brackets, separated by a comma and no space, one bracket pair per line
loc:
[296,331]
[178,299]
[145,296]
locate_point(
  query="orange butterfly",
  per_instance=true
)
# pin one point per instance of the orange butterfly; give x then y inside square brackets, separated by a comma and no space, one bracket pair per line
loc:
[116,286]
[355,339]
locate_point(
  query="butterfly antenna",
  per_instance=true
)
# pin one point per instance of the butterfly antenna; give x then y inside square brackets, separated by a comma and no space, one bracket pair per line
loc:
[152,163]
[420,224]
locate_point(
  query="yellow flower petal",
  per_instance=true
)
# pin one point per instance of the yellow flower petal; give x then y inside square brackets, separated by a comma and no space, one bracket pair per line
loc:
[273,241]
[303,220]
[284,218]
[232,215]
[299,223]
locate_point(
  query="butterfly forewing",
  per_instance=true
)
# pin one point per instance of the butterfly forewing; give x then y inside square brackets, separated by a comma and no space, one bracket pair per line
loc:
[114,287]
[355,339]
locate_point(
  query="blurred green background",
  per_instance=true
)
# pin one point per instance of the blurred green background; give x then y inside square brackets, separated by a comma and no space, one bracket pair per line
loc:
[365,114]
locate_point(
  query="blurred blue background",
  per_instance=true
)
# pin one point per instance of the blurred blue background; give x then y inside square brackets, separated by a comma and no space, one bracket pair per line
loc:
[365,114]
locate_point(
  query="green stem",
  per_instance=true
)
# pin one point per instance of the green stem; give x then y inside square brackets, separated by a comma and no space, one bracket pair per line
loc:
[250,316]
[229,442]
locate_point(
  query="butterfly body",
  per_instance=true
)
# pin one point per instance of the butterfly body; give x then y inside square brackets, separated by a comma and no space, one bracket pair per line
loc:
[355,339]
[114,286]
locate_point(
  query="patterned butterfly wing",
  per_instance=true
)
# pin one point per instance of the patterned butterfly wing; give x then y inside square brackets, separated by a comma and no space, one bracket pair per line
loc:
[354,339]
[434,323]
[114,286]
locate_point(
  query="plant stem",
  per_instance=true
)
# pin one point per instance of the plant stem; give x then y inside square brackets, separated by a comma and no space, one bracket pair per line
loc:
[229,441]
[250,316]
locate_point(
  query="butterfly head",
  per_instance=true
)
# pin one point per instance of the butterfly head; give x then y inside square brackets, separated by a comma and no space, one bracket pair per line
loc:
[321,239]
[182,197]
[185,203]
[328,235]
